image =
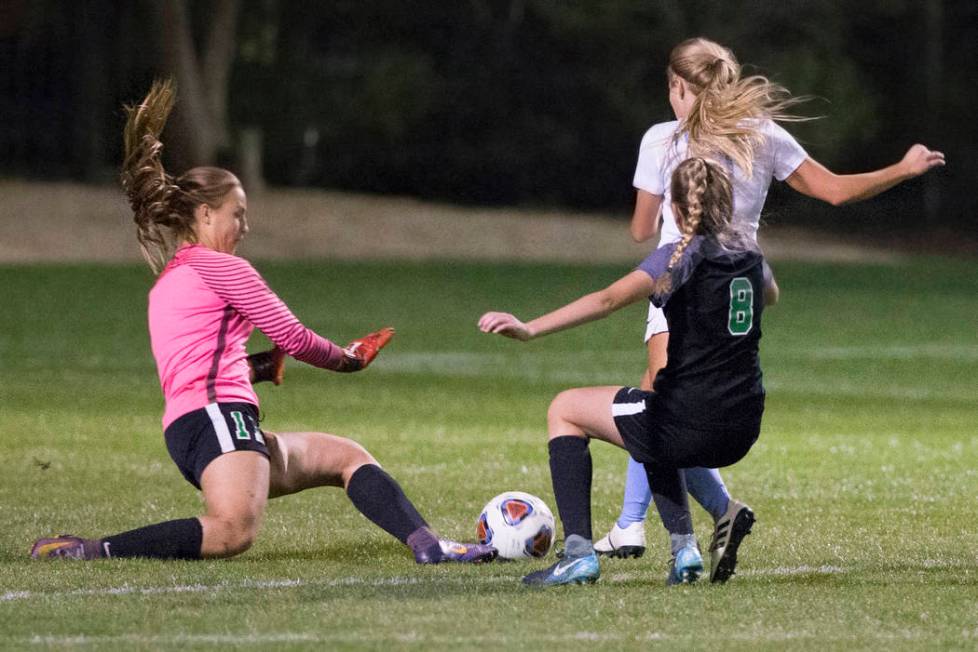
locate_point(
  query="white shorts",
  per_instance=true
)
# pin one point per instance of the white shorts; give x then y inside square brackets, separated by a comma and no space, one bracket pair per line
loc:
[656,323]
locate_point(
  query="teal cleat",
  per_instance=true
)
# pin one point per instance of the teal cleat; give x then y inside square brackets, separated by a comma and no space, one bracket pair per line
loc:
[576,570]
[687,566]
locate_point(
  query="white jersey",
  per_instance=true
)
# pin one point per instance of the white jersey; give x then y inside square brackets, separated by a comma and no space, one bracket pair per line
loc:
[776,156]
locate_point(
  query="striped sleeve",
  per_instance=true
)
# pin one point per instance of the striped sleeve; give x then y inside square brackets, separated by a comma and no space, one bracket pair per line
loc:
[235,281]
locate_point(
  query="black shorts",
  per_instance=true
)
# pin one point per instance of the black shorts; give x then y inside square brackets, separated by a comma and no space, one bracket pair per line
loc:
[660,441]
[196,438]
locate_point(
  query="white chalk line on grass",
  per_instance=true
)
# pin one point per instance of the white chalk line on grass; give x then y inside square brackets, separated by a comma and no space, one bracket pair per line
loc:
[291,583]
[622,577]
[335,638]
[835,386]
[582,368]
[471,362]
[797,570]
[522,638]
[952,352]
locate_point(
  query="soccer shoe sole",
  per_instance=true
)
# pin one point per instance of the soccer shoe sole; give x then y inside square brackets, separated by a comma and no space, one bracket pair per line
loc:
[723,570]
[48,547]
[688,576]
[577,581]
[624,552]
[568,575]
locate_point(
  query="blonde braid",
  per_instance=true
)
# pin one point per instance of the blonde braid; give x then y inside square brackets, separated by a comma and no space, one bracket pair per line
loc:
[691,175]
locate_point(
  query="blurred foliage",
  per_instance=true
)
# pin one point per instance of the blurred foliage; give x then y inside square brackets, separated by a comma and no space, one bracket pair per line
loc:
[506,101]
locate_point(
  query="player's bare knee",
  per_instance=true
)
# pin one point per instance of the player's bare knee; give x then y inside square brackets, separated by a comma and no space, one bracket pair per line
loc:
[350,454]
[233,536]
[358,458]
[245,531]
[559,413]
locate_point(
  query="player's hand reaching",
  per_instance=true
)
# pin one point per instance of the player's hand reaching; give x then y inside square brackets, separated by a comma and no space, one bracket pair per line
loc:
[360,352]
[919,159]
[505,324]
[267,366]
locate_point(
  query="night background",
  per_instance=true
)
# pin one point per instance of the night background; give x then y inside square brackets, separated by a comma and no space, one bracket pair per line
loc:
[417,164]
[508,103]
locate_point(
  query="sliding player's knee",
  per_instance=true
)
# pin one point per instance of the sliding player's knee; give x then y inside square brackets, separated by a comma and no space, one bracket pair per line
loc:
[235,535]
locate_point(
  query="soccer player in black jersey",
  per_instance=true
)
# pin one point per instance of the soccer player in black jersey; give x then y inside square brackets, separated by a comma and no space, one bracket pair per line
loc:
[706,405]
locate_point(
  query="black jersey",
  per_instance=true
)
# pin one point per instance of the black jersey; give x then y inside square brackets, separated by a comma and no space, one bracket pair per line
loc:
[713,375]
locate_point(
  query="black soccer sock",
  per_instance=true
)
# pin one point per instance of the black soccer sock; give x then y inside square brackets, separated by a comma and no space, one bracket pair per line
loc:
[378,497]
[570,472]
[668,486]
[169,540]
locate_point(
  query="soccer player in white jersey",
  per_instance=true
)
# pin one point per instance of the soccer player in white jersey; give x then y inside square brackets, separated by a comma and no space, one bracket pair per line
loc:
[732,120]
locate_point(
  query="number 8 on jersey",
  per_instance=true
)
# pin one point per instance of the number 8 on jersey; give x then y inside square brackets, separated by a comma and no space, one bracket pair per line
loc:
[741,306]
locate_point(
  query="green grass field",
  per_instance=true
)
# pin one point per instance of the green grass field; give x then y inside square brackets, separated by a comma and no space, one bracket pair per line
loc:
[864,480]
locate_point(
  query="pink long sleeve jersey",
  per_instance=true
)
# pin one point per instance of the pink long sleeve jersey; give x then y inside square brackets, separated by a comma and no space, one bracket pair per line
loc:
[202,310]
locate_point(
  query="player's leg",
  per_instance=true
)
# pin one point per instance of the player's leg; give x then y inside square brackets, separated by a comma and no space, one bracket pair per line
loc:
[229,462]
[627,535]
[733,519]
[650,439]
[669,494]
[219,449]
[573,417]
[235,491]
[706,486]
[303,460]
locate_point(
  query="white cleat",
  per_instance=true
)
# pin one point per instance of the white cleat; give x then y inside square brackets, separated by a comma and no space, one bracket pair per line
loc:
[623,543]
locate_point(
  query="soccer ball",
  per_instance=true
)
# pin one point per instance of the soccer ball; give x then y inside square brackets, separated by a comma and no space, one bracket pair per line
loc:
[518,525]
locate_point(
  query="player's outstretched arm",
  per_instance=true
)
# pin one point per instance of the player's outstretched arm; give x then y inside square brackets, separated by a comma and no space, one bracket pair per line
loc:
[359,353]
[597,305]
[815,180]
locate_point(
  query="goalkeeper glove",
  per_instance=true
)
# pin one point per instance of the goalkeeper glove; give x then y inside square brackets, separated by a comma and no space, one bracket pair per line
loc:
[360,352]
[267,366]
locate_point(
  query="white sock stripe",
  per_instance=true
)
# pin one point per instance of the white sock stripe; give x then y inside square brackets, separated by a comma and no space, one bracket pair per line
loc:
[220,427]
[627,409]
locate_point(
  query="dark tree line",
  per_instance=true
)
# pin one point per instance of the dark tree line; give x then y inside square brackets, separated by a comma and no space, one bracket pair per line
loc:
[481,101]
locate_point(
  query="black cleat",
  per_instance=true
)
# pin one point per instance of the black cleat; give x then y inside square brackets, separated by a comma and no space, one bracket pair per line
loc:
[729,533]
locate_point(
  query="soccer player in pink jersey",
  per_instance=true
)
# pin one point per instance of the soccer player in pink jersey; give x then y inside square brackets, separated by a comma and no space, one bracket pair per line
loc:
[202,309]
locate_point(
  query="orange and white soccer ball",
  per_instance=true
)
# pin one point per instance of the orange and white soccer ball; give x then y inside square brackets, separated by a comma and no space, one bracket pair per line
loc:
[519,525]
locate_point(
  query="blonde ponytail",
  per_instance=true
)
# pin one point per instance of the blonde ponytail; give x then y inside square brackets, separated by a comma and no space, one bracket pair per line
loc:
[724,118]
[146,184]
[163,206]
